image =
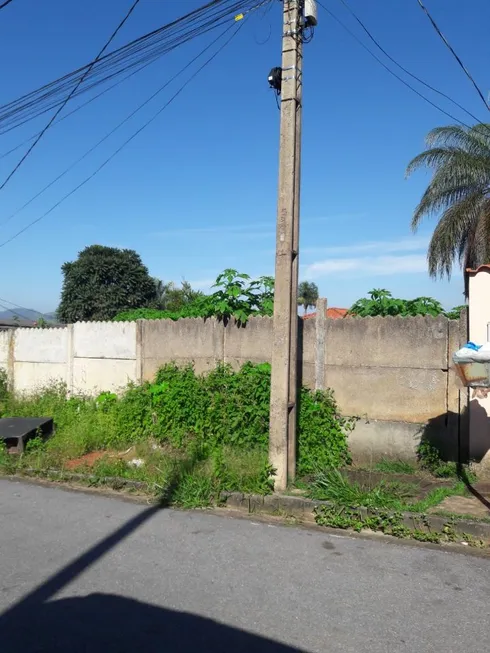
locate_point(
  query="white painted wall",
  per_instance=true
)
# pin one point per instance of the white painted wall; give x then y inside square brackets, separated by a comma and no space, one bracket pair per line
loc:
[479,316]
[4,347]
[41,345]
[104,340]
[89,358]
[40,358]
[95,375]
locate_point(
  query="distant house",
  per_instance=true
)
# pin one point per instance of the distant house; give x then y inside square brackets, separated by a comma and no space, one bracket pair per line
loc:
[332,313]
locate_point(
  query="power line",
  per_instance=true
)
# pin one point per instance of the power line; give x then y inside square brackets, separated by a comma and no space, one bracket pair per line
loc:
[4,4]
[70,113]
[13,311]
[6,301]
[205,28]
[453,52]
[126,142]
[144,49]
[71,94]
[388,69]
[405,70]
[118,126]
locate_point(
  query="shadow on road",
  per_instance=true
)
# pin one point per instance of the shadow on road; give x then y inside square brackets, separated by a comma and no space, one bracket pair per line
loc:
[104,623]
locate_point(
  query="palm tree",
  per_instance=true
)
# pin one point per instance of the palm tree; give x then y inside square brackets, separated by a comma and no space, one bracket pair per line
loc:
[162,290]
[459,194]
[307,294]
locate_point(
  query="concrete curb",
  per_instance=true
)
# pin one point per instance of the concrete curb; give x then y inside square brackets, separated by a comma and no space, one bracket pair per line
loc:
[113,481]
[287,506]
[304,510]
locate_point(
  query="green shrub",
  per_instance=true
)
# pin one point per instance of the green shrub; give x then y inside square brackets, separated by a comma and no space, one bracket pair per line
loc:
[199,416]
[430,460]
[322,433]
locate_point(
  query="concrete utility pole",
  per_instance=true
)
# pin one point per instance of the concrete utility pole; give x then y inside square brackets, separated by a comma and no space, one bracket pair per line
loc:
[283,415]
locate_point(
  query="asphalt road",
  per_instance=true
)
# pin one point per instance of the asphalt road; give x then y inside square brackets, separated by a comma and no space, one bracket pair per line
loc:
[85,573]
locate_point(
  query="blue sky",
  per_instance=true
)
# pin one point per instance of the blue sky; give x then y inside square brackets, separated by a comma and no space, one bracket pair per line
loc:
[196,192]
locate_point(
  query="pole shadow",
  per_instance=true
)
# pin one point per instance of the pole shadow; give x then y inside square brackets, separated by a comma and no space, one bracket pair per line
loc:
[106,623]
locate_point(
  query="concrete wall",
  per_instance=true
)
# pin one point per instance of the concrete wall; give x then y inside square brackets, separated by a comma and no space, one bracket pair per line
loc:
[395,374]
[39,358]
[87,357]
[104,356]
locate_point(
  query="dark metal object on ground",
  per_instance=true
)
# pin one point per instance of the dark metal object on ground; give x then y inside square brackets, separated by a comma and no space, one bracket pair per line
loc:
[15,432]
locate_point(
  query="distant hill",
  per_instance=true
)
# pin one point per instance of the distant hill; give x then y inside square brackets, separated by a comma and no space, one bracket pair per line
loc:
[27,314]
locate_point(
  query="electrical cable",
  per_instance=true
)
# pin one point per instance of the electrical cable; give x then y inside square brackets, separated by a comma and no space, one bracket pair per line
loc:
[453,52]
[388,69]
[13,311]
[127,141]
[6,301]
[90,100]
[118,126]
[144,49]
[71,94]
[70,113]
[405,70]
[4,4]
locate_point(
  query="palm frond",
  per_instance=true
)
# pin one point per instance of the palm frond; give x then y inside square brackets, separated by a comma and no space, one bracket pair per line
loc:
[458,193]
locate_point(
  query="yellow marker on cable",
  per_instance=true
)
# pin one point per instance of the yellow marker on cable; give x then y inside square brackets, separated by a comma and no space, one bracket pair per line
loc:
[238,17]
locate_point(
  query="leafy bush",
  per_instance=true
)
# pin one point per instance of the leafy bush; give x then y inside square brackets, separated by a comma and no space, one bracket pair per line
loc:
[381,303]
[236,295]
[3,389]
[430,459]
[199,416]
[322,433]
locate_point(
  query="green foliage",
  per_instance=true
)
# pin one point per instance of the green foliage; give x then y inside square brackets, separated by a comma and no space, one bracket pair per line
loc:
[380,508]
[221,417]
[389,523]
[103,282]
[389,466]
[173,299]
[381,303]
[307,294]
[332,485]
[455,313]
[240,297]
[229,408]
[236,296]
[3,388]
[430,459]
[322,432]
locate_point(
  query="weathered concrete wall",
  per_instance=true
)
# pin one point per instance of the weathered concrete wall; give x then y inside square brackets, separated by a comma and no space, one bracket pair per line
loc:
[200,342]
[388,368]
[395,374]
[252,342]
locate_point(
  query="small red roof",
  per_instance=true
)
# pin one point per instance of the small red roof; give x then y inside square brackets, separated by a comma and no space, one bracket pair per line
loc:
[332,313]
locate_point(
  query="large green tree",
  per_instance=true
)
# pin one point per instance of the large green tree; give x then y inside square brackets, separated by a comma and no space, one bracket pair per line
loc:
[307,294]
[458,194]
[102,282]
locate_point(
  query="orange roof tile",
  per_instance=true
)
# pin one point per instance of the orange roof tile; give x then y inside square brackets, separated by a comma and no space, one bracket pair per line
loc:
[332,313]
